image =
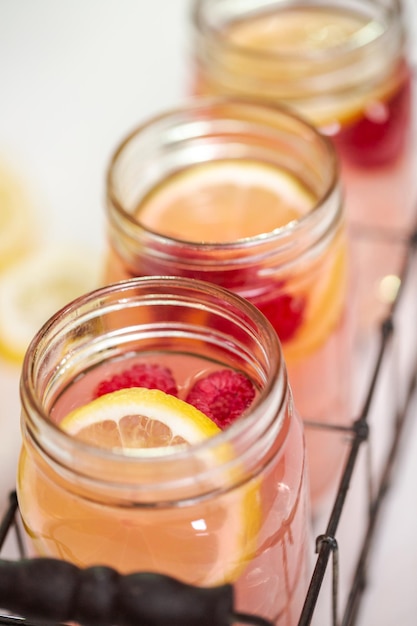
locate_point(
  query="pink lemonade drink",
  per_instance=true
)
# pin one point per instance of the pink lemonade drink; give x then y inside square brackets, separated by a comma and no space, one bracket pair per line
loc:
[343,65]
[159,435]
[247,197]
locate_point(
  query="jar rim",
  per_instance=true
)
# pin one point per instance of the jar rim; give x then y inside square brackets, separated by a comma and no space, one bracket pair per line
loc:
[317,55]
[214,103]
[37,417]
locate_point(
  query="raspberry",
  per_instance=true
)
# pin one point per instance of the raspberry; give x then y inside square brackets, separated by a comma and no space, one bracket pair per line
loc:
[149,375]
[286,314]
[222,395]
[379,136]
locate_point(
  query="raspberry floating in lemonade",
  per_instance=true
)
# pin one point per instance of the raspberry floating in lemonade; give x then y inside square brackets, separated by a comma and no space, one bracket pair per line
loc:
[222,395]
[379,136]
[286,314]
[148,375]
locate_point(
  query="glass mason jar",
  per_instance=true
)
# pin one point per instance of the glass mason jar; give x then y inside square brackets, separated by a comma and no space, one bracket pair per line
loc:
[343,65]
[247,196]
[230,507]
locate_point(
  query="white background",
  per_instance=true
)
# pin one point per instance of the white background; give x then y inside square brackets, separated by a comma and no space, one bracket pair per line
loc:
[75,77]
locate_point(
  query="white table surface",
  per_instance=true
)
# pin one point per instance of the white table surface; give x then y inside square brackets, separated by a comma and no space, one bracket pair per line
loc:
[76,76]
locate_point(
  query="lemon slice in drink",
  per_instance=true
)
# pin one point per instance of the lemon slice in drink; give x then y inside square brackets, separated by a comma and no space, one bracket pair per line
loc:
[138,418]
[313,39]
[325,312]
[36,287]
[223,201]
[204,541]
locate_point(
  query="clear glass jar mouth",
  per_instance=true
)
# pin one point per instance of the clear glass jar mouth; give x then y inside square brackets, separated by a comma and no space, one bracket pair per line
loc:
[342,51]
[61,445]
[154,456]
[293,230]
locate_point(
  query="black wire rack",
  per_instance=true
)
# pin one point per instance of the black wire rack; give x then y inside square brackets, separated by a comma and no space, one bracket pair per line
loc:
[51,592]
[390,392]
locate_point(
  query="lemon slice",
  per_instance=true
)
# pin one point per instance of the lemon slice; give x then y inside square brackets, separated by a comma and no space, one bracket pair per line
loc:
[16,219]
[205,541]
[220,202]
[312,40]
[36,287]
[325,311]
[301,31]
[139,418]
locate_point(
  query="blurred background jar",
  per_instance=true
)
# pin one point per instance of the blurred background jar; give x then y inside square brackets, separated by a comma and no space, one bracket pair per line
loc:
[343,65]
[248,196]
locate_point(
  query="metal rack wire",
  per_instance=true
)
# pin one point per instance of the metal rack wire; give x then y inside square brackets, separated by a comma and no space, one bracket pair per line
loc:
[27,585]
[386,354]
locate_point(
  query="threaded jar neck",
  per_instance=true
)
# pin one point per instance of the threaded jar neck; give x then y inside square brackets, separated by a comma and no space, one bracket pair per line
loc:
[147,315]
[207,131]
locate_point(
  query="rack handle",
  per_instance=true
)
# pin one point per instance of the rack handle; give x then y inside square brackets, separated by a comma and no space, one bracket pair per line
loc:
[53,591]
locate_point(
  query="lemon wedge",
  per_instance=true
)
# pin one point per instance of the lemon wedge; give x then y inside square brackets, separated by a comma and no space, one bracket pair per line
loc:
[138,418]
[36,287]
